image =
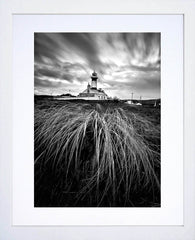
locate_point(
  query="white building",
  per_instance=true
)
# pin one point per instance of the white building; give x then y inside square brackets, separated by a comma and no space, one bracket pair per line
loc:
[92,92]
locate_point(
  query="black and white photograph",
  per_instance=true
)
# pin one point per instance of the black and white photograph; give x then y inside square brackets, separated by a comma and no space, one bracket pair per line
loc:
[97,119]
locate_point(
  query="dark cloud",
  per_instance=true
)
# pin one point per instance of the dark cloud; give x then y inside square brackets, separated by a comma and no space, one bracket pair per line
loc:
[47,83]
[53,73]
[149,68]
[141,46]
[124,62]
[85,45]
[45,50]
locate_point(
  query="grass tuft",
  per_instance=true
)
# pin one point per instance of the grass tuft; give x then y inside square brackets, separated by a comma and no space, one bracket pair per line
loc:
[95,156]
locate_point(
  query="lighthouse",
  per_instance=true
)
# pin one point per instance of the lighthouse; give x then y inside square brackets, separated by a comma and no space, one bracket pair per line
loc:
[94,79]
[92,92]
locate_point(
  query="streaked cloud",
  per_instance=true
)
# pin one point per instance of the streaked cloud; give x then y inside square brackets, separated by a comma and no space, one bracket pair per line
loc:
[125,63]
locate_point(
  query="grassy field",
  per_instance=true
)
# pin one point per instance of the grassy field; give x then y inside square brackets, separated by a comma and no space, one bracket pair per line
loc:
[96,154]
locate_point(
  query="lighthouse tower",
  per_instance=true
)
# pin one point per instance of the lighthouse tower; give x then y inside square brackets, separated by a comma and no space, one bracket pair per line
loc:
[94,79]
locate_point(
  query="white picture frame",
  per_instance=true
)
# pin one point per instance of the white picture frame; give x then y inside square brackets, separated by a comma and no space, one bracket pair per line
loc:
[185,231]
[171,31]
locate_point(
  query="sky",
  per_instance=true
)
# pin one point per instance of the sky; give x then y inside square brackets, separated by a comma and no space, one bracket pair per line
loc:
[126,63]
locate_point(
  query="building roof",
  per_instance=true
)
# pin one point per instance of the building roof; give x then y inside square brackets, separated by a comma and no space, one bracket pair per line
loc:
[96,91]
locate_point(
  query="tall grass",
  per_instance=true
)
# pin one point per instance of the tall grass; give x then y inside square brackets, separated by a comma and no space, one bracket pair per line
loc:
[95,156]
